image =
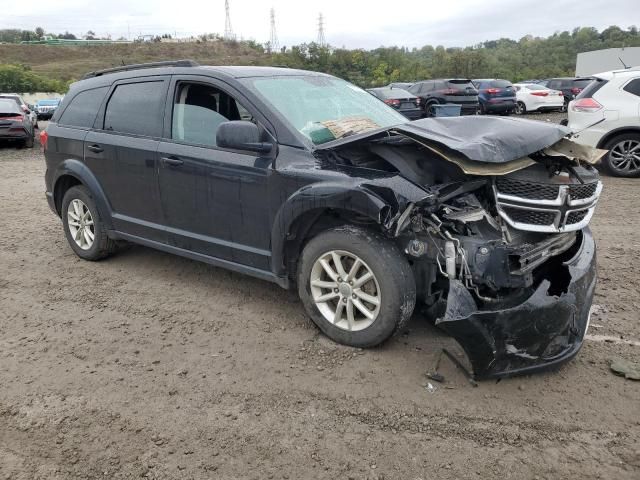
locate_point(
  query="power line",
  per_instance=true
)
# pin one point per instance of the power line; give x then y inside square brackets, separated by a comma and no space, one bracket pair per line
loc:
[321,40]
[274,45]
[228,30]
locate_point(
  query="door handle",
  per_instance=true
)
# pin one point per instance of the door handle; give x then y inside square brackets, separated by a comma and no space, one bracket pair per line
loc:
[95,148]
[171,161]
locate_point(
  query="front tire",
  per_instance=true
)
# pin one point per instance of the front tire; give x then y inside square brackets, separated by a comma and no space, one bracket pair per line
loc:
[83,226]
[623,159]
[356,286]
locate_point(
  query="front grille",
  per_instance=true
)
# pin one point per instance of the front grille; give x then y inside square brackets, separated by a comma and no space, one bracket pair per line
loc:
[580,192]
[531,217]
[576,217]
[533,191]
[542,207]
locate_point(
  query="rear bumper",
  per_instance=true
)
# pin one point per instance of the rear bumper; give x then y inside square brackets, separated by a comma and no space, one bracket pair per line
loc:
[6,134]
[543,332]
[499,106]
[412,114]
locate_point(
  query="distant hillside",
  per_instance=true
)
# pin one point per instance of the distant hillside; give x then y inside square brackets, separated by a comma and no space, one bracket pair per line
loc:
[71,62]
[528,57]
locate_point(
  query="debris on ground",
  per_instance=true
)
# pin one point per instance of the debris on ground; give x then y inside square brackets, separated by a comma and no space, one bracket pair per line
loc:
[625,368]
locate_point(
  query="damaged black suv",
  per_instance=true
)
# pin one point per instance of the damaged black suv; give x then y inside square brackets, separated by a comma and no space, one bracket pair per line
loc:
[307,181]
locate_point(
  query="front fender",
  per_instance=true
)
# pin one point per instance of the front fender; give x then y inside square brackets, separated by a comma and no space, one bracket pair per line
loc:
[83,174]
[381,200]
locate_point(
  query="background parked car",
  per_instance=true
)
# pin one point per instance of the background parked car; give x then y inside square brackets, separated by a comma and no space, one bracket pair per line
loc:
[533,80]
[46,108]
[406,103]
[15,124]
[403,85]
[495,96]
[23,105]
[569,86]
[459,91]
[532,97]
[606,115]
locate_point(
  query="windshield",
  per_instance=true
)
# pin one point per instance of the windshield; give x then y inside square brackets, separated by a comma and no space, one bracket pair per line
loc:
[49,102]
[325,108]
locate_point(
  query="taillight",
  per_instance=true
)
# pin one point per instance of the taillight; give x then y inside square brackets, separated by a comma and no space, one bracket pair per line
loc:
[585,105]
[492,91]
[44,138]
[540,94]
[394,102]
[576,90]
[448,91]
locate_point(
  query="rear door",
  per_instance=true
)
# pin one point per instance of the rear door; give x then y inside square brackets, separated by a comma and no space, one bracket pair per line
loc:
[122,153]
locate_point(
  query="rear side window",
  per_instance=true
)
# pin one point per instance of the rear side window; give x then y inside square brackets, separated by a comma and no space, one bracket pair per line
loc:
[592,88]
[633,87]
[136,108]
[82,110]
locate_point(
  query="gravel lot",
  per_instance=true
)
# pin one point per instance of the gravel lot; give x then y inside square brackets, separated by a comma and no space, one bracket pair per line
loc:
[149,365]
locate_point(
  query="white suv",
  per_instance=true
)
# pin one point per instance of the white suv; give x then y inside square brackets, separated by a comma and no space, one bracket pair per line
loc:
[606,115]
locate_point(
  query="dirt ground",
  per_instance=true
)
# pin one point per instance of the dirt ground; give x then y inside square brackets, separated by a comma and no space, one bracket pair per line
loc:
[149,365]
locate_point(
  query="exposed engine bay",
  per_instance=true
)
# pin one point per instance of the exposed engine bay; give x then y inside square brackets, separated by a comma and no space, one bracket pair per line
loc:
[492,236]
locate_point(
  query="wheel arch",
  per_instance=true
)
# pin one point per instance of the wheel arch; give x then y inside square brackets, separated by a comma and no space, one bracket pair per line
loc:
[616,132]
[322,206]
[73,172]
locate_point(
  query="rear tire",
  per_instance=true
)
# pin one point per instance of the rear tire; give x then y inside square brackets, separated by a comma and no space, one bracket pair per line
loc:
[521,108]
[83,226]
[30,141]
[623,159]
[337,304]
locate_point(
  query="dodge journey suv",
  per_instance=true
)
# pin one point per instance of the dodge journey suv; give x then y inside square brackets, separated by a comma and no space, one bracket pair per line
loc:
[305,180]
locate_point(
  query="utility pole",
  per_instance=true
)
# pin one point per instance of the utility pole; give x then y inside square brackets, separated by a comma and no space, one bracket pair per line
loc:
[228,30]
[321,40]
[274,46]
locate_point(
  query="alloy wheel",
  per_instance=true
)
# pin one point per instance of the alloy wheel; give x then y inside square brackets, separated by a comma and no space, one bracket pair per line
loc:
[345,290]
[520,108]
[80,224]
[625,156]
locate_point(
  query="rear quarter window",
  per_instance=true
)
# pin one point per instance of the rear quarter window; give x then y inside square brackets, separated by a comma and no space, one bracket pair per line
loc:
[83,108]
[592,88]
[633,87]
[136,108]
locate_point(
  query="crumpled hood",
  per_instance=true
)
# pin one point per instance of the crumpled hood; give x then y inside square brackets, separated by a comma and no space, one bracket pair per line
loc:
[487,139]
[478,138]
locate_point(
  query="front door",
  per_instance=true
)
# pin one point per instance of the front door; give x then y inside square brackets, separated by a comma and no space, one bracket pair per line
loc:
[214,200]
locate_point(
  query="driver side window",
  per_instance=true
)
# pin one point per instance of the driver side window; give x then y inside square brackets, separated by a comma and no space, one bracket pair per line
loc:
[199,110]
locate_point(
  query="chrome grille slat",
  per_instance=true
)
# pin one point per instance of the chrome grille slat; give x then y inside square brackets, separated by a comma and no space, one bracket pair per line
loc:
[551,208]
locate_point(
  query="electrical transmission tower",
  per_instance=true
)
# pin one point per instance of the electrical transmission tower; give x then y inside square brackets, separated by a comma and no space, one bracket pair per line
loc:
[228,30]
[273,41]
[321,40]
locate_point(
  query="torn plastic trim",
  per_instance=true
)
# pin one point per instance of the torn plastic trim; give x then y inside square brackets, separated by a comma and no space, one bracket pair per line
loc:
[544,331]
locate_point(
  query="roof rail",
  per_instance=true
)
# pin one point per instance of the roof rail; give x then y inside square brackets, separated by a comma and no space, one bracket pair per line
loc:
[141,66]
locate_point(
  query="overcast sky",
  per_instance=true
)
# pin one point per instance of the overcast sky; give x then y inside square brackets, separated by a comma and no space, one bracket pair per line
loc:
[354,24]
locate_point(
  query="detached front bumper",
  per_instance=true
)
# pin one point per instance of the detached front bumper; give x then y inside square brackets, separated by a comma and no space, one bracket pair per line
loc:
[544,331]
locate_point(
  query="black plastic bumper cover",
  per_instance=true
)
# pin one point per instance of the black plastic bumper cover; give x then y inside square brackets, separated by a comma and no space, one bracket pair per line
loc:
[544,331]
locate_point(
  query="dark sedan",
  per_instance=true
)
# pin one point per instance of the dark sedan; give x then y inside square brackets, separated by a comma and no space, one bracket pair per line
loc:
[404,102]
[15,125]
[495,96]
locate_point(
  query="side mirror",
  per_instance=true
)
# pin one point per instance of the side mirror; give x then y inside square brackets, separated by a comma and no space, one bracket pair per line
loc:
[241,135]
